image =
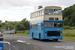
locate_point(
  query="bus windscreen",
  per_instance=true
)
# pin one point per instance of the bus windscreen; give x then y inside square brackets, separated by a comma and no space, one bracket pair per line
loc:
[57,11]
[58,24]
[53,25]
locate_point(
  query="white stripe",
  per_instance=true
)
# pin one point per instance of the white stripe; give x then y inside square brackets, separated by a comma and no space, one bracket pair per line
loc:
[27,43]
[22,41]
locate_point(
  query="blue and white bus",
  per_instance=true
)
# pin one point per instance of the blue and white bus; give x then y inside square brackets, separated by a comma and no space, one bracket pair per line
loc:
[47,23]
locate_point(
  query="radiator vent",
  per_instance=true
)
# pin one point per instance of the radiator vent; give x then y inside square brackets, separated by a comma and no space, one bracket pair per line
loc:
[53,33]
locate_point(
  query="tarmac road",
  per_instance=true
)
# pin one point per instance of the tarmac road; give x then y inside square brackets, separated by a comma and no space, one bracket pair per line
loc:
[44,45]
[18,45]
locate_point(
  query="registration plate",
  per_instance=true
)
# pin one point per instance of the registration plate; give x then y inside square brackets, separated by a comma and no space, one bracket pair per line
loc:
[53,37]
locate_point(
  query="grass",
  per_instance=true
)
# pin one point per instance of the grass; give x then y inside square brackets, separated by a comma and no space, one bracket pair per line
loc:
[69,38]
[69,34]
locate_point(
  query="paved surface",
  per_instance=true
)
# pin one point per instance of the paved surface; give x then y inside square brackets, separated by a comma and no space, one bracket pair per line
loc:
[18,45]
[45,45]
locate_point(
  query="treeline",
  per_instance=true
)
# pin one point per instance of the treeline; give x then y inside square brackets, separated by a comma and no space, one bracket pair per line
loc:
[69,16]
[19,25]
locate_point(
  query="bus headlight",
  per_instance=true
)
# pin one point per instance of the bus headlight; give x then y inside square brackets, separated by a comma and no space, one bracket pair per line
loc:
[45,34]
[61,34]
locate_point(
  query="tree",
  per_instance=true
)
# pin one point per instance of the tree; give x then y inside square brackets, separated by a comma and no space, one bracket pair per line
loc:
[20,27]
[0,21]
[3,23]
[0,25]
[6,21]
[39,7]
[66,21]
[6,26]
[72,20]
[69,15]
[25,22]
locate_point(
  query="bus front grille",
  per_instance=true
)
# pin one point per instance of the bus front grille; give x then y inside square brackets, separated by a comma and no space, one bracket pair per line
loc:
[53,33]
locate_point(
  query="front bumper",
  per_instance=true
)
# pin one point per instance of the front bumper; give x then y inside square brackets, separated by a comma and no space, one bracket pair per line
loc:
[53,37]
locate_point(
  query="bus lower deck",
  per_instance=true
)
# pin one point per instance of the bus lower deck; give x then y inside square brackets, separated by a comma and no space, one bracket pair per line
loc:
[48,29]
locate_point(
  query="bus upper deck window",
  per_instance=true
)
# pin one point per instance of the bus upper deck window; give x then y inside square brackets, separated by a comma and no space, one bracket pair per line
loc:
[57,11]
[48,11]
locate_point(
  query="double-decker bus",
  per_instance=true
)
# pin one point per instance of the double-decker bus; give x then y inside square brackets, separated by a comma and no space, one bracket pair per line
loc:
[46,23]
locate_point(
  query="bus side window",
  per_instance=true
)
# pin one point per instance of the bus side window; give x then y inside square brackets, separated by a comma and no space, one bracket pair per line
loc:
[42,12]
[30,15]
[35,26]
[37,13]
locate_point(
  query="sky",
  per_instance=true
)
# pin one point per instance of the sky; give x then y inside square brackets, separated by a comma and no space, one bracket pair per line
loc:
[16,10]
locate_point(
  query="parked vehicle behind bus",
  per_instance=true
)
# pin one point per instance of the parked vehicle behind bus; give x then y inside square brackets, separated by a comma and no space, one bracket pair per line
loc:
[47,23]
[1,36]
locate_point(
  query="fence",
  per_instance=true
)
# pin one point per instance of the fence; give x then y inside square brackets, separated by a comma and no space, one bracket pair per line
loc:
[2,45]
[10,32]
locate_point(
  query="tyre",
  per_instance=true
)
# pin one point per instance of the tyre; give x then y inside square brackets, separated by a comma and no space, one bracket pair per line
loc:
[55,39]
[40,37]
[32,36]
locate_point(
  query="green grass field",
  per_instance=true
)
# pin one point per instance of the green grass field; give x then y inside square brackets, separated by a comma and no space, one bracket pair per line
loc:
[69,38]
[69,34]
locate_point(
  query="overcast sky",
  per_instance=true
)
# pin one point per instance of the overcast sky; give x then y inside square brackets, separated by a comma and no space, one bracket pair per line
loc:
[16,10]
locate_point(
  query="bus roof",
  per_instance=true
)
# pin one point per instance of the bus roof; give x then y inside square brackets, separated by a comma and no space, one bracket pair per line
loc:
[48,7]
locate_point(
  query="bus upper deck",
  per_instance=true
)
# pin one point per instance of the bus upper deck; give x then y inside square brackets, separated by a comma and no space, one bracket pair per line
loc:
[47,13]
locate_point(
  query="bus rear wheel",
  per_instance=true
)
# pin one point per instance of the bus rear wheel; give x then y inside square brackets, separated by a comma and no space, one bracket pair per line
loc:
[32,36]
[40,37]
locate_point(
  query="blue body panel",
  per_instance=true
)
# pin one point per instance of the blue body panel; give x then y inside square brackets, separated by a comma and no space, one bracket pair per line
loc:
[1,46]
[42,31]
